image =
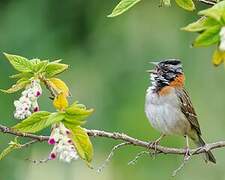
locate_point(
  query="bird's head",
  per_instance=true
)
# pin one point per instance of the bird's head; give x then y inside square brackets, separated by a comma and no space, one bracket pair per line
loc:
[166,72]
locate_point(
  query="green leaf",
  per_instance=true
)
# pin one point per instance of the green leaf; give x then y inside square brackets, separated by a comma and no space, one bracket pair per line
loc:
[122,7]
[208,37]
[55,68]
[78,109]
[22,75]
[38,121]
[20,63]
[39,66]
[55,117]
[12,146]
[223,18]
[214,12]
[73,120]
[76,119]
[186,4]
[202,24]
[20,84]
[77,113]
[82,142]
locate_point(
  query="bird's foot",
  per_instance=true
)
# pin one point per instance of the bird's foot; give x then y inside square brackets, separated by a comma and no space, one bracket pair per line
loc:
[187,154]
[153,145]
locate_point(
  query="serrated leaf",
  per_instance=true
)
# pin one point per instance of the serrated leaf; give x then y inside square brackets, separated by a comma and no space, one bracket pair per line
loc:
[59,86]
[38,121]
[78,109]
[122,7]
[20,63]
[22,75]
[202,24]
[57,61]
[186,4]
[70,120]
[55,68]
[76,114]
[82,142]
[35,61]
[20,84]
[214,12]
[208,37]
[40,66]
[60,102]
[54,118]
[218,57]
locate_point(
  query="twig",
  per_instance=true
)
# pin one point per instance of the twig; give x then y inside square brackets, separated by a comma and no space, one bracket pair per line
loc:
[38,161]
[7,130]
[181,166]
[111,155]
[140,154]
[208,2]
[29,143]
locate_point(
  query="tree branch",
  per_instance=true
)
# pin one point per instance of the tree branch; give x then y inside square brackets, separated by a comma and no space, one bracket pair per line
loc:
[123,137]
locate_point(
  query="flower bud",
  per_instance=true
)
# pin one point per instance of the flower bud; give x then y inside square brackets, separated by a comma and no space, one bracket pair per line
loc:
[51,141]
[63,145]
[27,103]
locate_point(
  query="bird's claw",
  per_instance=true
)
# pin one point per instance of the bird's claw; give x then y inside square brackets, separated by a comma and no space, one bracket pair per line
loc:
[187,154]
[154,144]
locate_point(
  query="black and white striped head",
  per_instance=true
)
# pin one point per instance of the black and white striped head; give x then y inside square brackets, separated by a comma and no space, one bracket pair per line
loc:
[165,72]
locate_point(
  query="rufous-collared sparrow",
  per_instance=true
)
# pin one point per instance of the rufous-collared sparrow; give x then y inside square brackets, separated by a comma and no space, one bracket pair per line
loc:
[168,106]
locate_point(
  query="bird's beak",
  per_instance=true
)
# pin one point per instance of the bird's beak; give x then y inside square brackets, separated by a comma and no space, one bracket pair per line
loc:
[154,63]
[150,71]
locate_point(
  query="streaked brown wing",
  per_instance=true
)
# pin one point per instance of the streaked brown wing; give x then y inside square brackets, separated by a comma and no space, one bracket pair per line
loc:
[188,109]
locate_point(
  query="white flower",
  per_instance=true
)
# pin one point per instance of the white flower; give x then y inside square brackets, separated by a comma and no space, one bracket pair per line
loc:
[63,147]
[27,103]
[222,39]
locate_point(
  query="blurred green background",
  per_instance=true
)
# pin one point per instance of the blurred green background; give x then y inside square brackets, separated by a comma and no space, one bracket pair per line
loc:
[108,59]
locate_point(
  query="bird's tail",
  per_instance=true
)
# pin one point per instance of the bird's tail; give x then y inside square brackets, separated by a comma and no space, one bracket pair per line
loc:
[208,156]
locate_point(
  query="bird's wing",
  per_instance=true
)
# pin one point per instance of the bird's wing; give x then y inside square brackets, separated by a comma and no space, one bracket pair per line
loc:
[188,109]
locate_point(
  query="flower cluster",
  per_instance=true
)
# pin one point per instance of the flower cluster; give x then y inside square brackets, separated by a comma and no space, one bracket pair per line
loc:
[27,103]
[63,146]
[222,39]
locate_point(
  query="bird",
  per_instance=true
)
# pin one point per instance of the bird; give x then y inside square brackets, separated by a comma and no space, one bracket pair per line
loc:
[168,106]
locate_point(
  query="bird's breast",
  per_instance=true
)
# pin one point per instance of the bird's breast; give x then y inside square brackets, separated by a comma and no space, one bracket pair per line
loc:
[164,112]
